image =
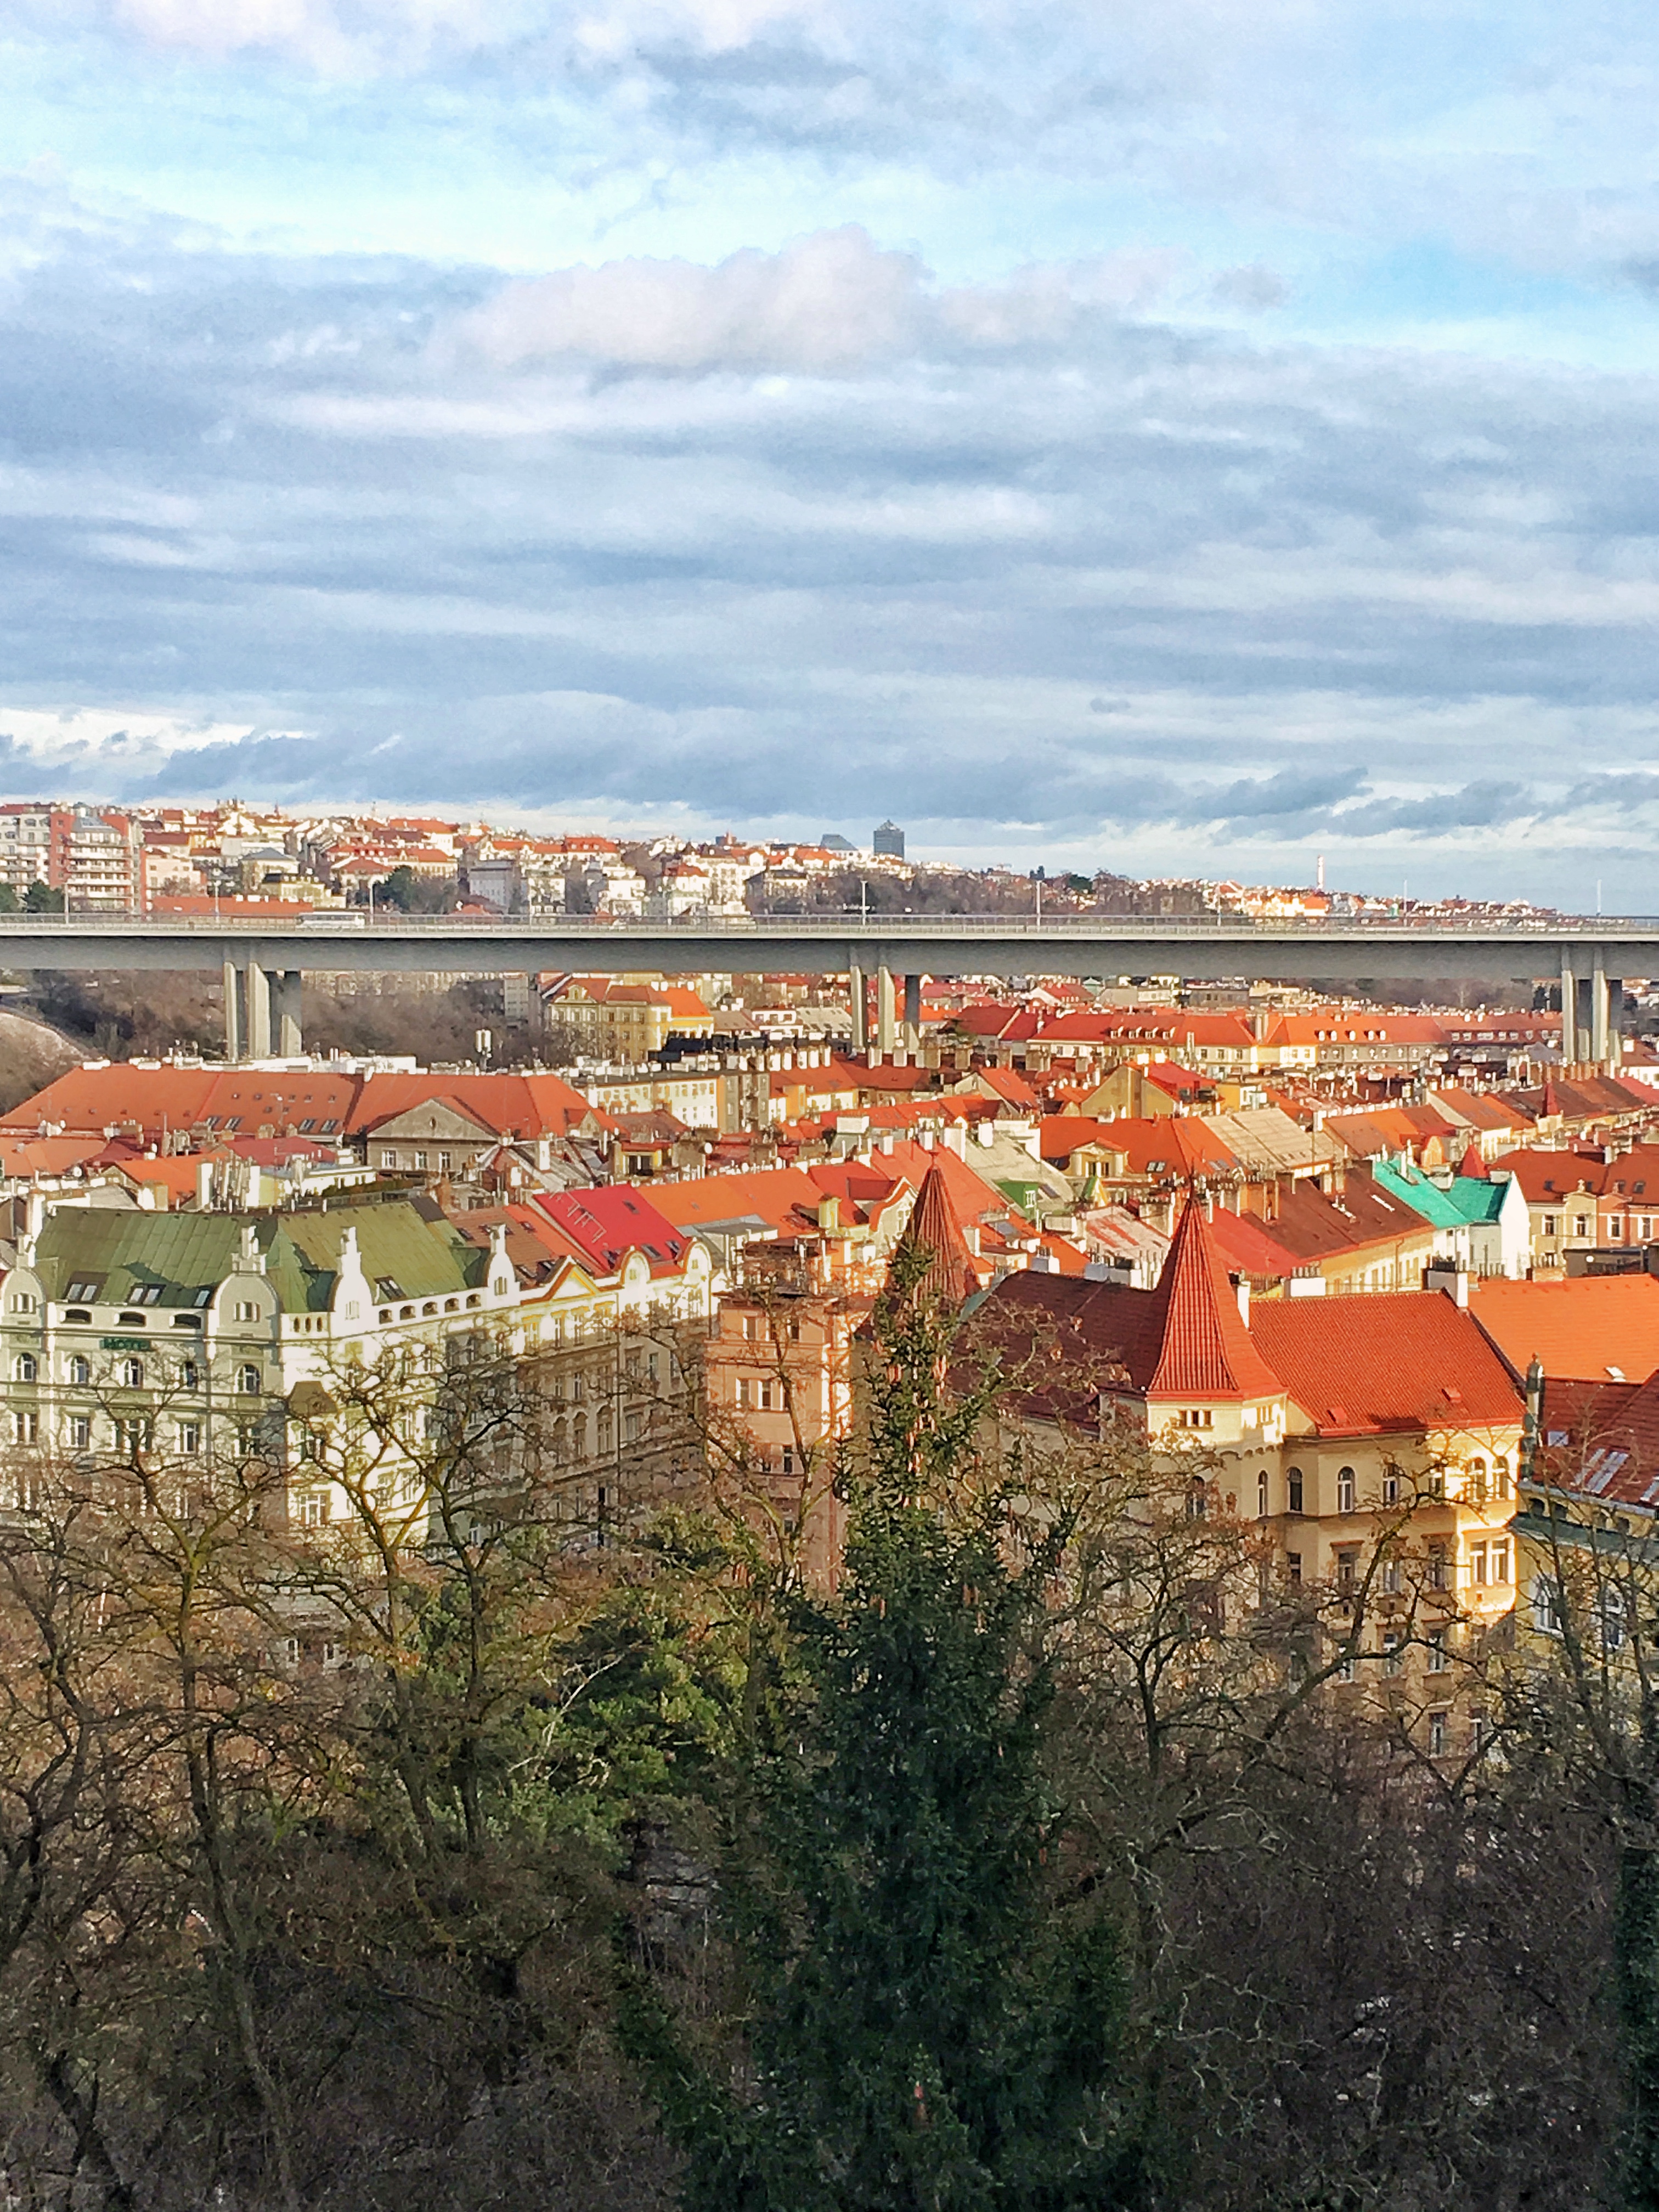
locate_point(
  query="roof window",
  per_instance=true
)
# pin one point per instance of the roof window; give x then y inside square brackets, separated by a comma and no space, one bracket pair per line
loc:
[87,1287]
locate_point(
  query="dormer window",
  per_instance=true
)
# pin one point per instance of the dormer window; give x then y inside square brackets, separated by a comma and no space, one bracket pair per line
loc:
[1196,1417]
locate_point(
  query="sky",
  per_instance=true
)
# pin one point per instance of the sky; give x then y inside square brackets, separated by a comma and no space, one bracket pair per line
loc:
[1188,439]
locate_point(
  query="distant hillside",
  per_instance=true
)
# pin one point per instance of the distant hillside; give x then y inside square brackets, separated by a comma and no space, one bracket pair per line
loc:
[30,1054]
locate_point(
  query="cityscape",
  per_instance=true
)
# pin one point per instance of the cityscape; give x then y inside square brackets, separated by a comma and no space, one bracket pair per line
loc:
[828,1107]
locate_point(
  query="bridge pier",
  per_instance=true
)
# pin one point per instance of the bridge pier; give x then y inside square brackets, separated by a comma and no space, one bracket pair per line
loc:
[913,1013]
[286,989]
[1592,1012]
[262,1012]
[233,1022]
[884,1025]
[855,990]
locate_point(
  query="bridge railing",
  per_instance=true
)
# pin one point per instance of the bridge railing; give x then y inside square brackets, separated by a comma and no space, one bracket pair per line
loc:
[355,922]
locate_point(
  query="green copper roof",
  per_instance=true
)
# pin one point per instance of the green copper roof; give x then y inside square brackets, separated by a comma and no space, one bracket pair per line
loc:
[167,1260]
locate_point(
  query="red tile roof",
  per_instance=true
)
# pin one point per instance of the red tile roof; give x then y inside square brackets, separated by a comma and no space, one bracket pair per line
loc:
[607,1224]
[155,1100]
[1583,1328]
[1386,1362]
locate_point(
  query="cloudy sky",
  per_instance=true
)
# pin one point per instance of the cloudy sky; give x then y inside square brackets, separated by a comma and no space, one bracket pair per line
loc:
[1196,437]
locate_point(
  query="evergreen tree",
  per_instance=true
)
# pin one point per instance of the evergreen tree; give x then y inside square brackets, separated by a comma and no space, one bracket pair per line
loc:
[931,1971]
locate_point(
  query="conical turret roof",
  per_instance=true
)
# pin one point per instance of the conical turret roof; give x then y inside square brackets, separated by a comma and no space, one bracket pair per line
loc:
[1205,1350]
[949,1277]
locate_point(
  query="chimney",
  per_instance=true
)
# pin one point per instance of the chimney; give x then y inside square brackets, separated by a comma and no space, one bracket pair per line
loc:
[205,1185]
[1241,1285]
[829,1212]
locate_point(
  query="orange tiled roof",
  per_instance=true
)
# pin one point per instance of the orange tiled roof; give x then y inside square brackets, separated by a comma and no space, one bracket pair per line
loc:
[1584,1328]
[1386,1361]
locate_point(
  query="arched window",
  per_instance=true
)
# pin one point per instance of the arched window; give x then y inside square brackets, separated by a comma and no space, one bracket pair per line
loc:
[79,1367]
[1293,1490]
[132,1374]
[1477,1487]
[247,1381]
[1500,1477]
[1262,1495]
[1345,1490]
[26,1367]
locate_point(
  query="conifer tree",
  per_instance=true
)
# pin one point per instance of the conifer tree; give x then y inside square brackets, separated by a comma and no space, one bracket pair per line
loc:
[932,1999]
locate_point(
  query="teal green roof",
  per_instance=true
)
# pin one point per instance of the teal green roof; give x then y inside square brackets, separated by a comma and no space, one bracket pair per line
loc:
[1466,1200]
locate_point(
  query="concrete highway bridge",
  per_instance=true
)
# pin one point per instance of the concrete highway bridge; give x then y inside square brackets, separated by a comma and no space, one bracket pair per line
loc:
[263,963]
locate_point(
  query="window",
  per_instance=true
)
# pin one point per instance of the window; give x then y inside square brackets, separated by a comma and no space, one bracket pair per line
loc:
[83,1291]
[190,1436]
[133,1436]
[1293,1569]
[1438,1577]
[1391,1487]
[1394,1577]
[1615,1229]
[1262,1496]
[1196,1417]
[1437,1641]
[446,1163]
[420,1161]
[25,1428]
[1580,1224]
[1499,1558]
[1500,1477]
[22,1302]
[1293,1489]
[313,1511]
[1197,1501]
[1477,1483]
[388,1157]
[79,1367]
[246,1309]
[334,1655]
[1347,1667]
[247,1439]
[147,1294]
[190,1374]
[78,1430]
[1549,1225]
[132,1374]
[1345,1490]
[26,1367]
[1478,1565]
[1612,1619]
[1437,1734]
[247,1381]
[1391,1660]
[1546,1610]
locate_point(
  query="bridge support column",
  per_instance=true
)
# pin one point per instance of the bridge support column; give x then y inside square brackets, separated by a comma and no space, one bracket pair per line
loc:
[913,1013]
[855,991]
[885,1039]
[1598,1009]
[233,1022]
[1569,1007]
[285,1009]
[258,1012]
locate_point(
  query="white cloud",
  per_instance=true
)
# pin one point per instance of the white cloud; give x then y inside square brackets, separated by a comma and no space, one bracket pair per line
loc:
[828,303]
[831,301]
